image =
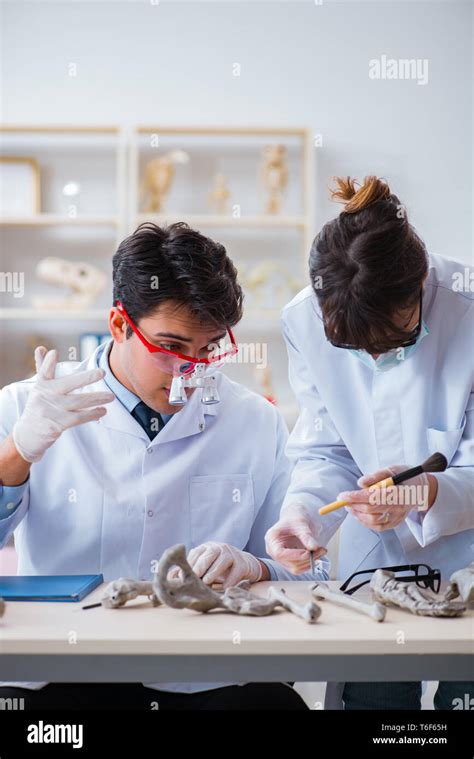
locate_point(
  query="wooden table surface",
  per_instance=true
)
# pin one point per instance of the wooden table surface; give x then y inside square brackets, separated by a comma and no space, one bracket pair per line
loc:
[38,636]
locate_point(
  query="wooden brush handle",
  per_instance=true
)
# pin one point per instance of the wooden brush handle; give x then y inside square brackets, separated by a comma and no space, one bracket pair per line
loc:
[386,483]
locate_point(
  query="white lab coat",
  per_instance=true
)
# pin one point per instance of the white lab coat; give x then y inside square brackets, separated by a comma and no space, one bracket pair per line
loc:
[104,498]
[355,420]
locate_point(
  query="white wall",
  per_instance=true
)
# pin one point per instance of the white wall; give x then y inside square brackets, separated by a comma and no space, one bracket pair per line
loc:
[301,63]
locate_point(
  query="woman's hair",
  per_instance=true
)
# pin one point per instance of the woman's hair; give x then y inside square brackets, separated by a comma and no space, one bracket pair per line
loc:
[367,265]
[188,268]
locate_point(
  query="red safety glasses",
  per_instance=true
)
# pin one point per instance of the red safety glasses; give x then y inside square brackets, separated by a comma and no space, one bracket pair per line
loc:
[176,363]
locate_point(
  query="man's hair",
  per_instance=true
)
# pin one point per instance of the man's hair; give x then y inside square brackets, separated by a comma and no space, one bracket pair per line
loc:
[366,265]
[157,264]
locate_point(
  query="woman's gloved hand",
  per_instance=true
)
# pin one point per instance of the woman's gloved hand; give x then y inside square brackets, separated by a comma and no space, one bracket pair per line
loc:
[291,539]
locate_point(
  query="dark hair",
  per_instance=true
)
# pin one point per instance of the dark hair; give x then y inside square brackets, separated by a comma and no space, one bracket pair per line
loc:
[156,264]
[366,265]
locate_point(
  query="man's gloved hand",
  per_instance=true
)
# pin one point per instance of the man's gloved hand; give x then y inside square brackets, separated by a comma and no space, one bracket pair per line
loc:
[53,407]
[385,508]
[224,564]
[292,537]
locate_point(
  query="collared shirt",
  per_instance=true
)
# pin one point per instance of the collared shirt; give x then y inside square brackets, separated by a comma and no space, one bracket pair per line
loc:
[125,396]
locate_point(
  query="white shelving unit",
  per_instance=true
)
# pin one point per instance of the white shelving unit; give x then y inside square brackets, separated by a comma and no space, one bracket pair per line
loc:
[108,161]
[251,238]
[85,230]
[208,147]
[51,219]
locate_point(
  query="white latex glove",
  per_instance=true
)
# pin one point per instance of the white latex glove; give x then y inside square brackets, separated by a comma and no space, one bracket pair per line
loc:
[383,509]
[53,407]
[222,563]
[292,538]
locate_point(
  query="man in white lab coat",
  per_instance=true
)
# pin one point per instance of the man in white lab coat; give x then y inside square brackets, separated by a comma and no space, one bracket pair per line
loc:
[102,473]
[380,359]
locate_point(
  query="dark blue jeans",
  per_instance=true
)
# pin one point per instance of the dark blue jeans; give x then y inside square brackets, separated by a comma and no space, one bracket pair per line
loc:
[386,696]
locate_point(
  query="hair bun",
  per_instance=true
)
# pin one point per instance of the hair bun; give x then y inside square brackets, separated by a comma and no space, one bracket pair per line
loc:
[372,190]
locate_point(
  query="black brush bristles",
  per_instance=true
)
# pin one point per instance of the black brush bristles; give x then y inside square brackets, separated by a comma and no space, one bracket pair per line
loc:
[436,463]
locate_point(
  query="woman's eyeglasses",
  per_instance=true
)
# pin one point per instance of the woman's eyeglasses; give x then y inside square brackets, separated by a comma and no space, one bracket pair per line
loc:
[423,576]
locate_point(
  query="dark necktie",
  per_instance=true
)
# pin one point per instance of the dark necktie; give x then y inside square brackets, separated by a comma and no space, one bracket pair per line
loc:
[149,419]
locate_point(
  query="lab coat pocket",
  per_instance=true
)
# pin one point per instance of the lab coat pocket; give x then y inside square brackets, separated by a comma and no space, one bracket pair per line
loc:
[221,508]
[445,441]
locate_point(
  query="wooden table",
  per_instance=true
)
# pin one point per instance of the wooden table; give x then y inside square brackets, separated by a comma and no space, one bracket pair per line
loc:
[60,642]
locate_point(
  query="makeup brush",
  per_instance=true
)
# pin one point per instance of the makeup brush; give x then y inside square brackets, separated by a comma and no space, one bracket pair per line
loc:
[436,463]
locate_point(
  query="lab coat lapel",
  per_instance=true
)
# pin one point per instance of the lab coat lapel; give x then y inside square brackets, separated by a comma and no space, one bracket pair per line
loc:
[189,421]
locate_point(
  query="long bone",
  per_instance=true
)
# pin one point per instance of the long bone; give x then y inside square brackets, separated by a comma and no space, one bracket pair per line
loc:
[375,610]
[118,592]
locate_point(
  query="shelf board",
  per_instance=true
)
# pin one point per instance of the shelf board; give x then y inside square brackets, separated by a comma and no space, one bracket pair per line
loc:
[61,314]
[224,130]
[57,129]
[50,219]
[221,220]
[252,319]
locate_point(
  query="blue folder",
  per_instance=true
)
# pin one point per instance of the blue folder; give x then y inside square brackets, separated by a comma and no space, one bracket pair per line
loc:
[48,587]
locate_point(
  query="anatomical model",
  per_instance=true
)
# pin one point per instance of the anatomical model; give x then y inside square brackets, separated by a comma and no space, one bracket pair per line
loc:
[158,178]
[374,610]
[84,280]
[219,195]
[190,592]
[274,176]
[388,590]
[462,584]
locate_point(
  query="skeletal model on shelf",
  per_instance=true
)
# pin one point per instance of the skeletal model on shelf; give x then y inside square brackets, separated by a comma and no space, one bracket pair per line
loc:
[158,178]
[270,284]
[218,197]
[84,281]
[273,174]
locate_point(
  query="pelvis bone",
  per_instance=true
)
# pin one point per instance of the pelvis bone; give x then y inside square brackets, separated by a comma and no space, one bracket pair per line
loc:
[190,592]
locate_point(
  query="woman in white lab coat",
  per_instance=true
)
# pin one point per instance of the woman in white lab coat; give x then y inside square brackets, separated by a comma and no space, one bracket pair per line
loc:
[380,359]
